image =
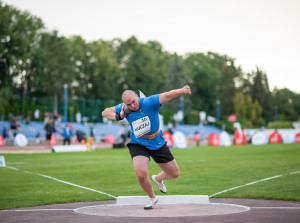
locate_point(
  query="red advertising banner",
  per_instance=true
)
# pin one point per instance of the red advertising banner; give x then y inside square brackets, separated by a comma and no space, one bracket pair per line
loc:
[110,138]
[168,138]
[298,137]
[53,140]
[213,139]
[239,137]
[2,141]
[275,138]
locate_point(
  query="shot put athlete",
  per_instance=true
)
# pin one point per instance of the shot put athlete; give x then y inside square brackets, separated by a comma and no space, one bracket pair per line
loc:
[146,138]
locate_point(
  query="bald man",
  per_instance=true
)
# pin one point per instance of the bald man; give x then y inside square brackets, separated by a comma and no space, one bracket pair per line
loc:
[146,139]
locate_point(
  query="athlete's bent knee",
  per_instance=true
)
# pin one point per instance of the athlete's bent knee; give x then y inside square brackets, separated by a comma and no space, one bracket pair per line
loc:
[174,174]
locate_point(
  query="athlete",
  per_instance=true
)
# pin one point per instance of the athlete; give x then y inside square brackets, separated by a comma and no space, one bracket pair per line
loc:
[146,139]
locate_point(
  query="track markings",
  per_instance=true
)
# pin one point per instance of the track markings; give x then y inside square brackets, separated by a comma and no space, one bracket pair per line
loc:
[28,210]
[254,182]
[16,163]
[292,208]
[62,181]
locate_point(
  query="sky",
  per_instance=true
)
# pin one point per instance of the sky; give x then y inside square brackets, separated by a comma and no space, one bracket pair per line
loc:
[257,33]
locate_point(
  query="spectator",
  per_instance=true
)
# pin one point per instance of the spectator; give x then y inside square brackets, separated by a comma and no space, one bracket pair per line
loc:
[4,132]
[95,120]
[197,138]
[81,136]
[170,127]
[50,128]
[27,120]
[67,135]
[37,114]
[78,117]
[38,138]
[15,126]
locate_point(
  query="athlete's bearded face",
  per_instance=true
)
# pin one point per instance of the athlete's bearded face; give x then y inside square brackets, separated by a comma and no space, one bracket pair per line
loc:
[132,102]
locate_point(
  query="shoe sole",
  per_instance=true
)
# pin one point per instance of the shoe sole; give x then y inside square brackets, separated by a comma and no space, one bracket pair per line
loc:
[149,208]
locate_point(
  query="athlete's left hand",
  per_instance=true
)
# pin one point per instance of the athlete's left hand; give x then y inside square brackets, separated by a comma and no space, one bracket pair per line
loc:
[186,89]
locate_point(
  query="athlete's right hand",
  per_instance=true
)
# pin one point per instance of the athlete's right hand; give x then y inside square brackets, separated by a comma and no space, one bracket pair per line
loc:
[122,113]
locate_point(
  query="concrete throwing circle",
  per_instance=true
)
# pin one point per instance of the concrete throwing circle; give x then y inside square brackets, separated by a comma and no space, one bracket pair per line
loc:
[162,210]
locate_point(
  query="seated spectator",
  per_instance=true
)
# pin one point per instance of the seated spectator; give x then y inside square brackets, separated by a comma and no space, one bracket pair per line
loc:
[15,126]
[38,138]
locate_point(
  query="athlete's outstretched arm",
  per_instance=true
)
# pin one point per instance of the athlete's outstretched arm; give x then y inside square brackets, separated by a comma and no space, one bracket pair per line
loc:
[109,113]
[167,96]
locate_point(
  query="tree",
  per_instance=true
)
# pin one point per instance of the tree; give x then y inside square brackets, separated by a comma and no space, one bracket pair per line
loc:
[177,78]
[25,112]
[6,111]
[296,102]
[138,67]
[32,110]
[226,88]
[19,32]
[82,61]
[256,113]
[16,109]
[247,112]
[203,79]
[103,72]
[260,92]
[286,101]
[226,84]
[42,113]
[58,65]
[240,106]
[162,60]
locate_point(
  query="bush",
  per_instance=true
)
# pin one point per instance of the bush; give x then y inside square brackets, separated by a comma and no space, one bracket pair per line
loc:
[228,126]
[192,118]
[280,125]
[167,116]
[260,122]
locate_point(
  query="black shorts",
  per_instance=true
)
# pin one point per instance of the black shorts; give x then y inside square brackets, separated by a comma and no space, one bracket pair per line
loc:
[161,155]
[48,136]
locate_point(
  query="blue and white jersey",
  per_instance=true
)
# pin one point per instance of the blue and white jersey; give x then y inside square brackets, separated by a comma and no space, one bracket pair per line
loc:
[145,121]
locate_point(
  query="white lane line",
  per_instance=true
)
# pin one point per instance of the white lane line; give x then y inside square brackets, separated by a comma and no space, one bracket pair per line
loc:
[254,182]
[13,168]
[62,181]
[295,172]
[41,210]
[296,208]
[76,185]
[16,163]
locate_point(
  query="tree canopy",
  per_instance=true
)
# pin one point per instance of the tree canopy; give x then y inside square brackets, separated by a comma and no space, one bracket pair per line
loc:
[35,63]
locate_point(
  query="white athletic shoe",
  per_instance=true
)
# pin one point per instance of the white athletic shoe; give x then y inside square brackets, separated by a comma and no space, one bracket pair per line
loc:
[161,185]
[150,204]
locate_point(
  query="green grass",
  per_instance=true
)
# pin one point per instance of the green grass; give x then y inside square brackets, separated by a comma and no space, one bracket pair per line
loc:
[204,171]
